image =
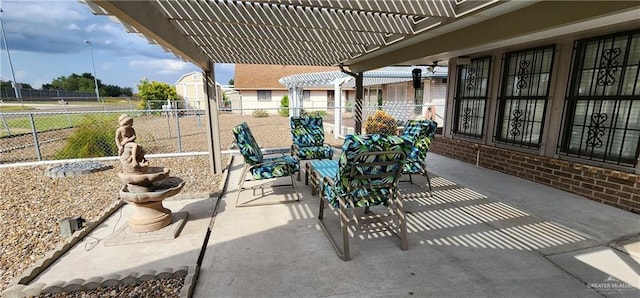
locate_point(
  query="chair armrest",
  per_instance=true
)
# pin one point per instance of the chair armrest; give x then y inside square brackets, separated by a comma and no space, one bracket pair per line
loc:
[329,181]
[275,162]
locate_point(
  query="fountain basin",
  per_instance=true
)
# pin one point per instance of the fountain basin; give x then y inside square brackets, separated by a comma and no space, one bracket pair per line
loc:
[166,188]
[152,174]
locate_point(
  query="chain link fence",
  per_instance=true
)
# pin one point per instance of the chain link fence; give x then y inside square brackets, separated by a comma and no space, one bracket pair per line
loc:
[37,95]
[38,136]
[48,135]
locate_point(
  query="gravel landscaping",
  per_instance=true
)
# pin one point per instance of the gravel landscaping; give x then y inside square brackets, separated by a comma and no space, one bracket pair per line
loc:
[31,204]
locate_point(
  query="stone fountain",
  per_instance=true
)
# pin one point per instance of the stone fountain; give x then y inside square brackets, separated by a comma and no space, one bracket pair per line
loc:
[145,187]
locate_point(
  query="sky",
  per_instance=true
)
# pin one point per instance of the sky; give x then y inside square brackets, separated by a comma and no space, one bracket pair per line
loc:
[46,40]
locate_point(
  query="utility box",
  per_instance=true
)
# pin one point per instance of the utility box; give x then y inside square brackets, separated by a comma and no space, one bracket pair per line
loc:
[69,225]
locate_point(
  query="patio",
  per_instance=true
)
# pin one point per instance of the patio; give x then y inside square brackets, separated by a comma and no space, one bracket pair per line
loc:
[483,233]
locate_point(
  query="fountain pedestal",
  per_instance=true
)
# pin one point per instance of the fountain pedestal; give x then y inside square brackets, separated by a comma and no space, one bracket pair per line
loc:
[146,191]
[146,186]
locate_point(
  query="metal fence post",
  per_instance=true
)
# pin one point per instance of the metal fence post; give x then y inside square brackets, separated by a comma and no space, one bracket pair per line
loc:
[198,114]
[35,136]
[178,131]
[6,126]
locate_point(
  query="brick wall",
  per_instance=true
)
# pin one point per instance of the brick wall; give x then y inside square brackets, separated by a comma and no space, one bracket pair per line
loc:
[611,187]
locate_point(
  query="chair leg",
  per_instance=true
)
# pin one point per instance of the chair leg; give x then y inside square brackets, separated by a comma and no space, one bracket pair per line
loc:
[402,218]
[240,188]
[345,233]
[343,253]
[295,186]
[243,175]
[428,180]
[241,183]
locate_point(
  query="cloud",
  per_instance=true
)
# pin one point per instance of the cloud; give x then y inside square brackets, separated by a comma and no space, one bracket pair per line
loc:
[60,27]
[161,66]
[21,75]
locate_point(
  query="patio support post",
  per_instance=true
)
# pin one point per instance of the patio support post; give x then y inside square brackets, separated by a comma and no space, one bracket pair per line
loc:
[337,114]
[358,105]
[359,97]
[292,91]
[295,101]
[213,128]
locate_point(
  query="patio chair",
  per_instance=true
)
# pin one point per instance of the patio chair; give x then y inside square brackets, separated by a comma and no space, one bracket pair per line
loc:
[367,175]
[308,140]
[262,168]
[418,134]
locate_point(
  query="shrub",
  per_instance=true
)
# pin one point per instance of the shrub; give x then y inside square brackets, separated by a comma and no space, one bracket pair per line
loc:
[349,106]
[93,137]
[260,113]
[319,113]
[381,122]
[284,106]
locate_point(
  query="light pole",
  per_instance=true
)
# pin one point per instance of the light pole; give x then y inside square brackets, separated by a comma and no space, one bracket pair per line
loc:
[16,86]
[95,75]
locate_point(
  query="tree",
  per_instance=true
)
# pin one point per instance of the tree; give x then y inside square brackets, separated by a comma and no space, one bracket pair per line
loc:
[8,84]
[154,94]
[114,91]
[231,82]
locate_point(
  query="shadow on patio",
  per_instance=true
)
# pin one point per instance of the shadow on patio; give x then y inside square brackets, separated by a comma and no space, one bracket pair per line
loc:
[462,241]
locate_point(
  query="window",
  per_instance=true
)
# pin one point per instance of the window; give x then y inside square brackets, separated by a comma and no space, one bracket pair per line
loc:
[396,93]
[264,95]
[331,99]
[471,97]
[306,95]
[523,97]
[603,101]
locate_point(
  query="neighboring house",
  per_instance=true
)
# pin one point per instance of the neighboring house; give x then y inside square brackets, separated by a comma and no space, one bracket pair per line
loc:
[390,88]
[191,92]
[259,87]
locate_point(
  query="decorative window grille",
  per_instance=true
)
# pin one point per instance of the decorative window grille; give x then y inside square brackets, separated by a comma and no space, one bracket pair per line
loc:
[602,107]
[471,97]
[523,97]
[264,95]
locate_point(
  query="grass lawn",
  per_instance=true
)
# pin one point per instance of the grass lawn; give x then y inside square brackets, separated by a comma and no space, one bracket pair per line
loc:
[12,108]
[22,123]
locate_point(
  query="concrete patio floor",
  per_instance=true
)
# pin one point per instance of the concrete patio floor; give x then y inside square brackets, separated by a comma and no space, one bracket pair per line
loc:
[481,234]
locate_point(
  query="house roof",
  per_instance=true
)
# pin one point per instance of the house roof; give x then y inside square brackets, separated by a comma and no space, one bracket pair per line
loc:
[254,76]
[185,76]
[360,34]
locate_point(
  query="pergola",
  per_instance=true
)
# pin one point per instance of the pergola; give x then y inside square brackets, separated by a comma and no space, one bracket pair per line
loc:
[339,79]
[358,35]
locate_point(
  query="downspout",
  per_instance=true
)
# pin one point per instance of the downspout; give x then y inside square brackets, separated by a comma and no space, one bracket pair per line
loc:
[359,97]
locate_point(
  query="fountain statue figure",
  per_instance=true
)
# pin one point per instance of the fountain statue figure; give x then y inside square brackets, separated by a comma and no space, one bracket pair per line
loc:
[146,186]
